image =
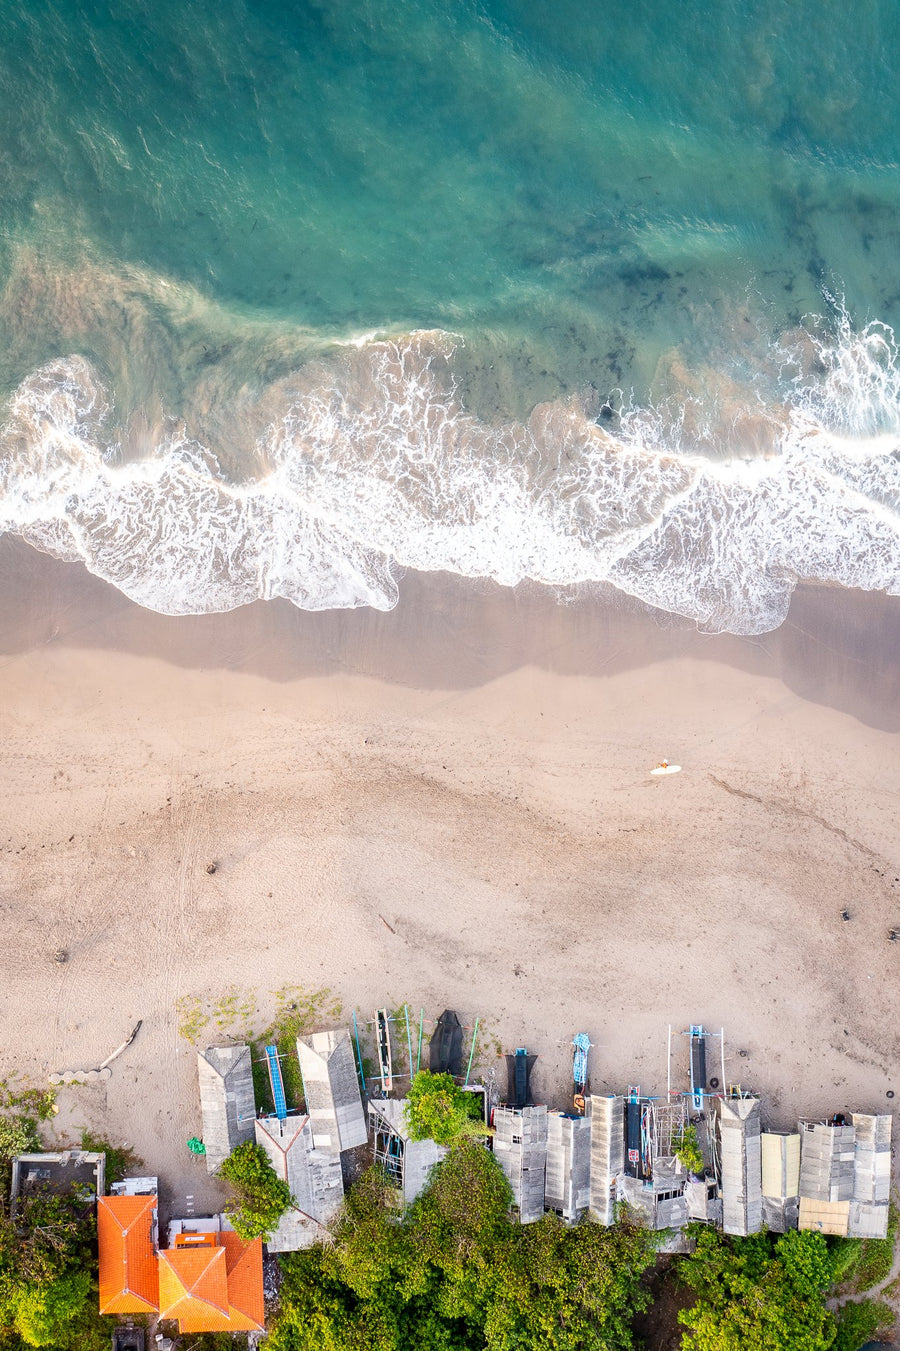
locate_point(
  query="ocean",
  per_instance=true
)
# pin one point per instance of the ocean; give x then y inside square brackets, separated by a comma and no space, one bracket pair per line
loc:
[298,297]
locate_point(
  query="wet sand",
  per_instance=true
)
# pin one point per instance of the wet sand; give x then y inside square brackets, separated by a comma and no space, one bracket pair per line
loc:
[449,804]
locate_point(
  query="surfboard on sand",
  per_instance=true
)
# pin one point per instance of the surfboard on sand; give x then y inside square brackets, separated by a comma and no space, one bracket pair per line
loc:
[665,768]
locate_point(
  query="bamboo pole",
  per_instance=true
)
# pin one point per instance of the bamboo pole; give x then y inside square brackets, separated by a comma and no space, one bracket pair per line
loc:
[472,1052]
[362,1073]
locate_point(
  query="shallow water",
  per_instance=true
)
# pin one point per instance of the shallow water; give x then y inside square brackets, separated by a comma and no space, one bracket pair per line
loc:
[296,297]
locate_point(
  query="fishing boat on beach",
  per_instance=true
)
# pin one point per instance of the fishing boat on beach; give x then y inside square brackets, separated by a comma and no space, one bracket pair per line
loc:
[384,1050]
[582,1044]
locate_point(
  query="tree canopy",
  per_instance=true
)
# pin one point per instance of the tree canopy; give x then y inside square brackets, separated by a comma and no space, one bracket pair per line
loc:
[46,1259]
[454,1273]
[438,1109]
[762,1293]
[260,1196]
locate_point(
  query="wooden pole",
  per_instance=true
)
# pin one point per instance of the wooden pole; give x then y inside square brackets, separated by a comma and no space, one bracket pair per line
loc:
[421,1030]
[408,1041]
[472,1052]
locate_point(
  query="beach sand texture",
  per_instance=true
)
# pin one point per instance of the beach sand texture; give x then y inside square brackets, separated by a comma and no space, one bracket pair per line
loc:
[449,804]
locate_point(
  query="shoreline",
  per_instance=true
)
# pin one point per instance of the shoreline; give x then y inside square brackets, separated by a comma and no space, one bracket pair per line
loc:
[837,647]
[448,805]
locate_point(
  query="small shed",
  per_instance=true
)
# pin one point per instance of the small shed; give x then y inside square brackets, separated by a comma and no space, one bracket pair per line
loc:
[313,1175]
[871,1176]
[827,1157]
[407,1162]
[607,1118]
[227,1100]
[520,1148]
[740,1156]
[780,1180]
[568,1174]
[331,1090]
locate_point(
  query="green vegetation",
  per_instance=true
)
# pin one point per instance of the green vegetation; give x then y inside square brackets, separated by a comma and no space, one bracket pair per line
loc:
[862,1263]
[859,1323]
[120,1160]
[261,1197]
[47,1295]
[763,1293]
[18,1135]
[687,1150]
[39,1103]
[437,1109]
[297,1010]
[455,1273]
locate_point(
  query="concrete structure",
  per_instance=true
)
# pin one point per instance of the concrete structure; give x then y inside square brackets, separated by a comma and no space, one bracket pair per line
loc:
[567,1187]
[780,1180]
[408,1162]
[313,1175]
[827,1154]
[658,1201]
[520,1147]
[607,1121]
[65,1171]
[740,1157]
[871,1176]
[331,1089]
[227,1100]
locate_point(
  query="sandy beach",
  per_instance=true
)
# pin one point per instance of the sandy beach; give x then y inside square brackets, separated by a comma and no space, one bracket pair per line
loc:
[448,805]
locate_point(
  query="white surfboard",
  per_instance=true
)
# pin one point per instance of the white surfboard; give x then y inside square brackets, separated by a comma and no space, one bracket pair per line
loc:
[666,768]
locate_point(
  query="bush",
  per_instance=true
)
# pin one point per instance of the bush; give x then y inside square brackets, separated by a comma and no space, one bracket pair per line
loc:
[120,1161]
[687,1150]
[261,1197]
[437,1109]
[858,1323]
[18,1135]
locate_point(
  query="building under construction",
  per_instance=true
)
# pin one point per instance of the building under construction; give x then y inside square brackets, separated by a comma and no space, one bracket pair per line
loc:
[740,1162]
[845,1175]
[568,1173]
[520,1148]
[407,1163]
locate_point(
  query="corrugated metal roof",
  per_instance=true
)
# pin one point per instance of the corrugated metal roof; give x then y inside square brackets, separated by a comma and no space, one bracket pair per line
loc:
[568,1170]
[331,1089]
[607,1118]
[227,1100]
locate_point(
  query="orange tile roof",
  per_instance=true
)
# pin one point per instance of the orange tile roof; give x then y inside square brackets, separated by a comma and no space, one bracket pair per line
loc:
[245,1282]
[129,1271]
[213,1289]
[193,1288]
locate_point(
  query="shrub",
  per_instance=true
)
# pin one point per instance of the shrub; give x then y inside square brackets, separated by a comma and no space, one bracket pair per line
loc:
[437,1109]
[261,1197]
[18,1135]
[120,1160]
[687,1150]
[858,1323]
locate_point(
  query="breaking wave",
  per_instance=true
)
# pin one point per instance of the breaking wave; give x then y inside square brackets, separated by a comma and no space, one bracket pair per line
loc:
[372,465]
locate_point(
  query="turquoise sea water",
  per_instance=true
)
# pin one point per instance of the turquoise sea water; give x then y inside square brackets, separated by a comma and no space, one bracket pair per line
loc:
[283,286]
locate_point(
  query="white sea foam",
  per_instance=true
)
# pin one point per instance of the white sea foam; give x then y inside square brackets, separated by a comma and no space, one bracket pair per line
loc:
[376,466]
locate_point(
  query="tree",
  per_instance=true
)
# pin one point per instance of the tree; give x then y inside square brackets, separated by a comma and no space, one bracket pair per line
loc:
[45,1261]
[759,1293]
[261,1196]
[438,1109]
[454,1273]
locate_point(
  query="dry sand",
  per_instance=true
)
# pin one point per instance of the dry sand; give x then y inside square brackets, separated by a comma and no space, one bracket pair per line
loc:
[449,805]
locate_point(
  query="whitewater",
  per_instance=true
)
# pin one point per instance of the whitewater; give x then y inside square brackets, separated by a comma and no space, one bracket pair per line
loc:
[373,465]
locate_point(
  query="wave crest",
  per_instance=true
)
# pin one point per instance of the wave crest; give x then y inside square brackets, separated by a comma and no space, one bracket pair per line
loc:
[373,464]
